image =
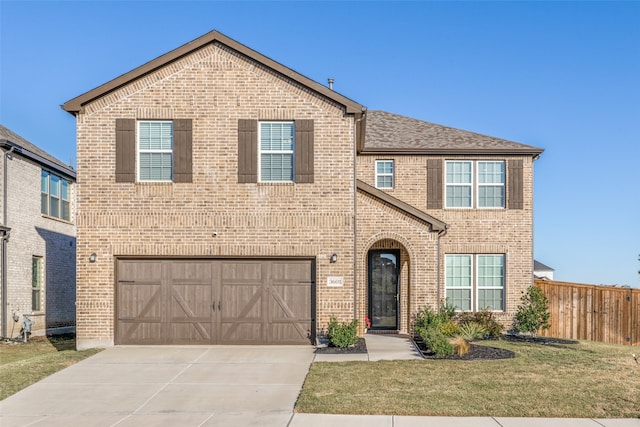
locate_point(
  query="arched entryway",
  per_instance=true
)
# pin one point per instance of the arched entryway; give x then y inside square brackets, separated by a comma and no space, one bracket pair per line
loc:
[385,291]
[383,272]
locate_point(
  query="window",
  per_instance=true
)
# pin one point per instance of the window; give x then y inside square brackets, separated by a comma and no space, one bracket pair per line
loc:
[482,188]
[384,174]
[54,196]
[155,147]
[276,148]
[36,280]
[475,282]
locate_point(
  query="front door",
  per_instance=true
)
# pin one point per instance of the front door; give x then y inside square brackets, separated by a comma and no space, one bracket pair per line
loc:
[384,269]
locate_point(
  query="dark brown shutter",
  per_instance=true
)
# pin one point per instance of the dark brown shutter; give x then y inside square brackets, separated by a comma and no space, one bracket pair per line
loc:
[515,184]
[304,151]
[435,187]
[247,151]
[182,151]
[125,150]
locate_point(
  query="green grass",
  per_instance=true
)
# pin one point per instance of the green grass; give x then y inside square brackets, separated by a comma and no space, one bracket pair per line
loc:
[578,380]
[22,364]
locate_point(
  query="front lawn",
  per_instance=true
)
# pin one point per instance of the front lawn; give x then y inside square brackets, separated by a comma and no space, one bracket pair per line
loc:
[585,380]
[22,364]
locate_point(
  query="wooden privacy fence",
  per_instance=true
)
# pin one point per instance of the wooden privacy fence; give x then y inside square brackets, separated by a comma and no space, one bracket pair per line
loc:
[589,312]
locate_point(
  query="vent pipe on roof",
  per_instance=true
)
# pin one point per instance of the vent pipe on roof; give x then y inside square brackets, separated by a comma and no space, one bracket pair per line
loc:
[330,80]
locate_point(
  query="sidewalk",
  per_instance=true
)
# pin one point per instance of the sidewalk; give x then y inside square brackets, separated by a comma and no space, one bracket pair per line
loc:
[324,420]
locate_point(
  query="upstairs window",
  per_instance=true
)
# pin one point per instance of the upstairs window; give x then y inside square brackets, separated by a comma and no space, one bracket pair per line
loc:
[54,196]
[491,184]
[276,147]
[479,184]
[384,174]
[155,150]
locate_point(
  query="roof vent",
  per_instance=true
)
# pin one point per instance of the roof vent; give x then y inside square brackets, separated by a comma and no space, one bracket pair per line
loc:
[330,80]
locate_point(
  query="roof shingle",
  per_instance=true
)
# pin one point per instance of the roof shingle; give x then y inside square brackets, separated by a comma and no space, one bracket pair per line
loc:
[393,133]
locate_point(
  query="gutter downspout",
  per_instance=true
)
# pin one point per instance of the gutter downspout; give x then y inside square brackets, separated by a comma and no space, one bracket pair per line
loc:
[355,213]
[441,234]
[5,239]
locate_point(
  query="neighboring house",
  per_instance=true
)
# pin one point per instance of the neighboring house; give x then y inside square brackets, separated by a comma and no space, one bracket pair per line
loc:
[224,198]
[541,271]
[38,269]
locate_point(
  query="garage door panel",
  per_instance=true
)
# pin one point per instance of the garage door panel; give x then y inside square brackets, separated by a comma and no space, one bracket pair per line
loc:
[243,332]
[139,303]
[242,272]
[191,332]
[242,302]
[289,333]
[191,314]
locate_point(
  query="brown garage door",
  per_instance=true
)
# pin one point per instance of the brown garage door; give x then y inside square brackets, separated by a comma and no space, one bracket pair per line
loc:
[215,302]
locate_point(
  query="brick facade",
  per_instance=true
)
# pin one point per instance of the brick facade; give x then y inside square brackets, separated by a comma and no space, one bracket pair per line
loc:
[36,235]
[471,231]
[215,216]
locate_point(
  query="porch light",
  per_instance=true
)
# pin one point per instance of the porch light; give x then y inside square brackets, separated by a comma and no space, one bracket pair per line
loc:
[93,257]
[334,258]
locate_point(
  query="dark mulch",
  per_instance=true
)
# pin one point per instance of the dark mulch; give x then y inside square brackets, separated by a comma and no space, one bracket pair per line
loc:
[476,352]
[536,340]
[359,347]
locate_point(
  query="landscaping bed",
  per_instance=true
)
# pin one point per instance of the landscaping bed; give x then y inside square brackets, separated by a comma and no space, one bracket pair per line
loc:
[358,347]
[476,352]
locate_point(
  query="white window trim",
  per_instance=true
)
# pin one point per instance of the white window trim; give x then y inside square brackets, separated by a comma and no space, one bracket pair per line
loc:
[163,151]
[292,152]
[446,280]
[460,184]
[475,185]
[474,282]
[497,184]
[384,174]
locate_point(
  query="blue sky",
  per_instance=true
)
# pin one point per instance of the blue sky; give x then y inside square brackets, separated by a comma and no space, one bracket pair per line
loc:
[564,76]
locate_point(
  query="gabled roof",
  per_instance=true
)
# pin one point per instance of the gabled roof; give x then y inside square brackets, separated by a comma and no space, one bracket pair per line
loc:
[436,224]
[24,148]
[394,134]
[75,105]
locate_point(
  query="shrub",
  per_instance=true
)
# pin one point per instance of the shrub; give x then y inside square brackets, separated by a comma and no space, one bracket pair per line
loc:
[447,310]
[437,343]
[424,319]
[342,334]
[471,331]
[460,345]
[491,327]
[533,313]
[449,328]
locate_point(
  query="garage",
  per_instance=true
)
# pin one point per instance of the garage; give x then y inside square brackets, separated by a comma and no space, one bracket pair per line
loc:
[223,301]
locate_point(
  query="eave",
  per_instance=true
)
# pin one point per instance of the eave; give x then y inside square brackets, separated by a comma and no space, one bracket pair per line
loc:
[451,151]
[436,224]
[75,105]
[48,164]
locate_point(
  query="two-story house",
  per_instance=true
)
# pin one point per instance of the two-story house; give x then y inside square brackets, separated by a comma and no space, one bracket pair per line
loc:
[225,198]
[37,268]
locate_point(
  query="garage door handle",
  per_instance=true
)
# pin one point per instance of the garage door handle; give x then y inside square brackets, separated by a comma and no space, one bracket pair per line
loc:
[219,306]
[213,306]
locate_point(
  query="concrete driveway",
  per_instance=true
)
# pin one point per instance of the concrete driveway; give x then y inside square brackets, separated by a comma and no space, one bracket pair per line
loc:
[168,386]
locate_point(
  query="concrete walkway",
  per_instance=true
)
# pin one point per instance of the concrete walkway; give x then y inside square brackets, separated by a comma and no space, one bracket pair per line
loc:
[379,347]
[217,386]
